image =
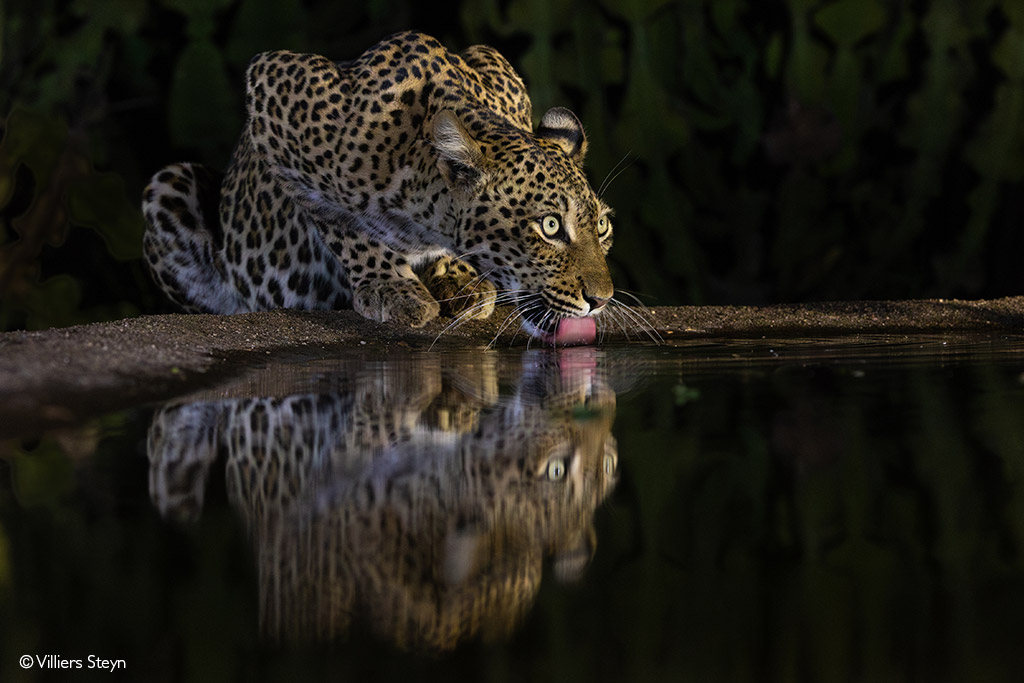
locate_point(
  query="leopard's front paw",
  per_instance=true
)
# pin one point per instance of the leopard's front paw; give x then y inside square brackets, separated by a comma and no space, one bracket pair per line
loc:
[404,301]
[459,289]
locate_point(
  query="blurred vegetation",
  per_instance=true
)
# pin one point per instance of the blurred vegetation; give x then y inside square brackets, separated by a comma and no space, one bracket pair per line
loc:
[762,150]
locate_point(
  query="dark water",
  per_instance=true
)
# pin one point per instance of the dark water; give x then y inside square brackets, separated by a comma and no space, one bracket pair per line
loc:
[813,510]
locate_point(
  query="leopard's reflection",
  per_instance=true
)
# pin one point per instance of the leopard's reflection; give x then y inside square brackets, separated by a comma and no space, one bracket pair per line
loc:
[416,499]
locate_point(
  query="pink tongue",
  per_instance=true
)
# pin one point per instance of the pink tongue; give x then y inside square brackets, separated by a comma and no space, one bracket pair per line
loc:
[576,331]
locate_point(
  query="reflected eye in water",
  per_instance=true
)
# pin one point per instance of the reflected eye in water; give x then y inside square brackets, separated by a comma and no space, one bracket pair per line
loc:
[556,469]
[463,507]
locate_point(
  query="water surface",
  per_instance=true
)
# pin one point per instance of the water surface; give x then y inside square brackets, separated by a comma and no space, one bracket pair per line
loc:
[821,510]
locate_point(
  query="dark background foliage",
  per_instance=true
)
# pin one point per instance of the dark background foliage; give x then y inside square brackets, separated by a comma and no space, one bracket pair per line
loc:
[761,150]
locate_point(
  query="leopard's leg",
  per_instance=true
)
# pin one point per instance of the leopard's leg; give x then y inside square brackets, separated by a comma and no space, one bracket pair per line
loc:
[181,243]
[384,286]
[459,288]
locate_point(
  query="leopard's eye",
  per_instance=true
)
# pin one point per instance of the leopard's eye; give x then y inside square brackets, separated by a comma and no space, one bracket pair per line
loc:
[556,469]
[550,225]
[604,226]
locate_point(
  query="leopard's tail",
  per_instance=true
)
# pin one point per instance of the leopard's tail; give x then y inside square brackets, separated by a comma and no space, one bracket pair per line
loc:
[183,239]
[182,445]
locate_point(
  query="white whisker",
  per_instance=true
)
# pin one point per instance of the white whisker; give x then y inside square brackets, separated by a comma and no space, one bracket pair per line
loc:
[468,314]
[638,318]
[526,303]
[614,173]
[631,295]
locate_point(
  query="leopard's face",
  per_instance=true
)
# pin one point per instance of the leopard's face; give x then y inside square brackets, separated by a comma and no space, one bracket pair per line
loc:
[529,219]
[540,231]
[416,499]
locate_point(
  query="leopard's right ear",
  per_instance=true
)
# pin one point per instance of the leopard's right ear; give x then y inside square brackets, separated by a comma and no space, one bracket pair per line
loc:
[459,158]
[563,127]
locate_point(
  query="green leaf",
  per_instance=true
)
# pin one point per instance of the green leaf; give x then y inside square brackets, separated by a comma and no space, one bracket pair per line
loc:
[847,22]
[3,24]
[197,9]
[684,394]
[42,477]
[123,16]
[806,69]
[1014,11]
[5,548]
[98,201]
[1008,54]
[33,139]
[997,151]
[55,302]
[263,25]
[202,99]
[894,63]
[773,56]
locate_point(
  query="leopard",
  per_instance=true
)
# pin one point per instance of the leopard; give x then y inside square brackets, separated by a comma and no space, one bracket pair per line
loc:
[421,503]
[406,184]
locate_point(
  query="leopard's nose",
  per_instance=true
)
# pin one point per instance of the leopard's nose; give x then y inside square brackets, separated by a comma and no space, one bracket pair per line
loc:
[596,302]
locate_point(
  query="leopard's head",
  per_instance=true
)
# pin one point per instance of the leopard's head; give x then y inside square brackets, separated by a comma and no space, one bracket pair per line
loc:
[526,215]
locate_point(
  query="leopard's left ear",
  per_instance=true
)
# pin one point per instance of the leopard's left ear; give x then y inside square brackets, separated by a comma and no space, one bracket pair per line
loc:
[459,157]
[561,125]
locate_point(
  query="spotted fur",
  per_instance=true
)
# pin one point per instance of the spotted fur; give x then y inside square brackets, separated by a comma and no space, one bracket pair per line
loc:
[412,501]
[393,184]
